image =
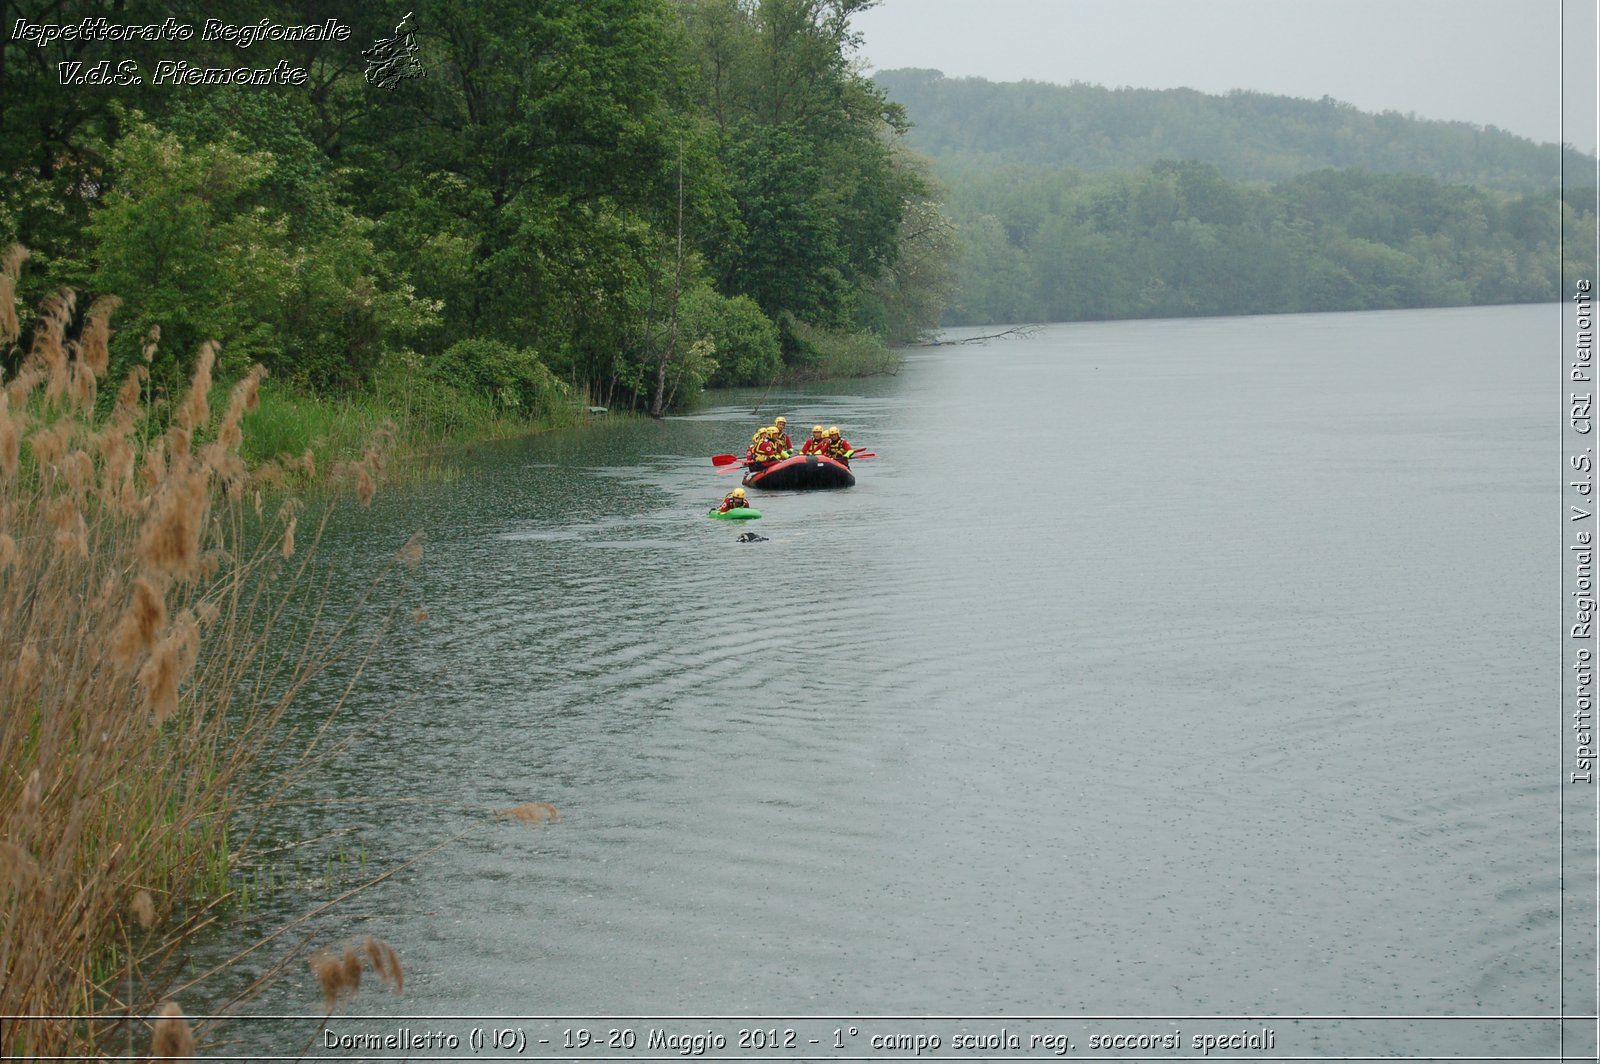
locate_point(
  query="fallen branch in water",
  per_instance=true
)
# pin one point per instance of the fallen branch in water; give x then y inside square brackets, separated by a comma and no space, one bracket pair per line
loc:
[1015,331]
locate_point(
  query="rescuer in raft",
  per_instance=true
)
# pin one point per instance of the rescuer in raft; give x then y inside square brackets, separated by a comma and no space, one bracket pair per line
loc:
[785,444]
[764,451]
[734,500]
[776,436]
[838,447]
[817,444]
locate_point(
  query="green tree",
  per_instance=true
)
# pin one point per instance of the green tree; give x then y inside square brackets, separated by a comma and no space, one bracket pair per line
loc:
[821,186]
[176,239]
[733,331]
[184,238]
[790,260]
[907,300]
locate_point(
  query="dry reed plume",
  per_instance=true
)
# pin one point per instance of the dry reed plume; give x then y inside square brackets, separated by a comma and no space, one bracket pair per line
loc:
[532,813]
[138,686]
[172,1039]
[339,973]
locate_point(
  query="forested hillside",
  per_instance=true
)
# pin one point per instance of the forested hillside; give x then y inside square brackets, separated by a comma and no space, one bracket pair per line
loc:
[618,200]
[970,124]
[1078,202]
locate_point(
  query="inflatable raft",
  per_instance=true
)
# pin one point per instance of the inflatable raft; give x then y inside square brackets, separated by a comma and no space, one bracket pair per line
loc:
[738,513]
[801,473]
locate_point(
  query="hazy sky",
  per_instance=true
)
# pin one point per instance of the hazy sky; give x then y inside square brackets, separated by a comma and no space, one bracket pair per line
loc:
[1490,62]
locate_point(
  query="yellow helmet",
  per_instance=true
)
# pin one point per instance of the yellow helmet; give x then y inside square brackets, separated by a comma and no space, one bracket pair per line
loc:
[771,430]
[738,493]
[815,429]
[780,421]
[833,430]
[757,437]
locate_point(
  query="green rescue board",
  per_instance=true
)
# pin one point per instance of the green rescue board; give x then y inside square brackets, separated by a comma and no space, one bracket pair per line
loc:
[741,513]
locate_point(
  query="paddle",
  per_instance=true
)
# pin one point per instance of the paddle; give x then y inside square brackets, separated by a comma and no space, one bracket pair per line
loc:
[727,463]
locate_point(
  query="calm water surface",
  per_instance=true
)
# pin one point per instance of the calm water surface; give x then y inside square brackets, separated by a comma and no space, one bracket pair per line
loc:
[1154,668]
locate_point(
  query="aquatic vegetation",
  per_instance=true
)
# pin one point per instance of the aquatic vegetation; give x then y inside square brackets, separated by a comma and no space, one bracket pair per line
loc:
[143,592]
[339,973]
[158,619]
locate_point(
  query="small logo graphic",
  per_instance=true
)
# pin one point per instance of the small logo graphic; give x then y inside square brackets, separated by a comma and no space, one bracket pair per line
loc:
[391,60]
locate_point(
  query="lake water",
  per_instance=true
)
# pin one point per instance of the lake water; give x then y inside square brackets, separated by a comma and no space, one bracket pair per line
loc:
[1200,671]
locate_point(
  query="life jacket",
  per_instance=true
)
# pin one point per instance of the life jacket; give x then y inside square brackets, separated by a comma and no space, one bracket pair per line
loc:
[814,446]
[731,503]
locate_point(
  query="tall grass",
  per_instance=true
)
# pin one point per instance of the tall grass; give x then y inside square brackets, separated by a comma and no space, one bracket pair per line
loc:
[321,431]
[285,423]
[143,589]
[833,354]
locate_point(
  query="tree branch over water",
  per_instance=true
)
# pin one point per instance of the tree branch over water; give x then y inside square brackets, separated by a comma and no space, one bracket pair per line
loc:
[1015,332]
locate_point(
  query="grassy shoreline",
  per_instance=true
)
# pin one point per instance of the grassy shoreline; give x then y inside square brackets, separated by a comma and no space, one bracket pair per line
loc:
[165,621]
[291,424]
[426,416]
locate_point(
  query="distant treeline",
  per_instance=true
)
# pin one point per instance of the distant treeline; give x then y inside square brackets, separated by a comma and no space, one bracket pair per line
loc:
[1068,205]
[973,125]
[626,199]
[1176,239]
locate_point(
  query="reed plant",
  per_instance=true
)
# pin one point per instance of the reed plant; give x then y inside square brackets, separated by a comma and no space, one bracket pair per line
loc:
[158,616]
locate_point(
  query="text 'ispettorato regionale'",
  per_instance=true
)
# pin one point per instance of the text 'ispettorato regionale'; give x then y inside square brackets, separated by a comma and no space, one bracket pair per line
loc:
[174,71]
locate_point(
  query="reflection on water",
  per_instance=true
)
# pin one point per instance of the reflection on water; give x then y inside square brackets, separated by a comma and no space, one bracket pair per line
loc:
[1154,668]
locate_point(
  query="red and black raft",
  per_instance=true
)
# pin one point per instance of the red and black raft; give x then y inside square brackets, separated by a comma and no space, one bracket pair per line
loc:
[803,472]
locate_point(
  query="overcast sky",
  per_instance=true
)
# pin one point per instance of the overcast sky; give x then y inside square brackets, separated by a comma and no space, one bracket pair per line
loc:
[1489,62]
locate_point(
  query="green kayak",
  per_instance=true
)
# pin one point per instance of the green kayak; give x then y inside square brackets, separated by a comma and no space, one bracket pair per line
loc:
[741,513]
